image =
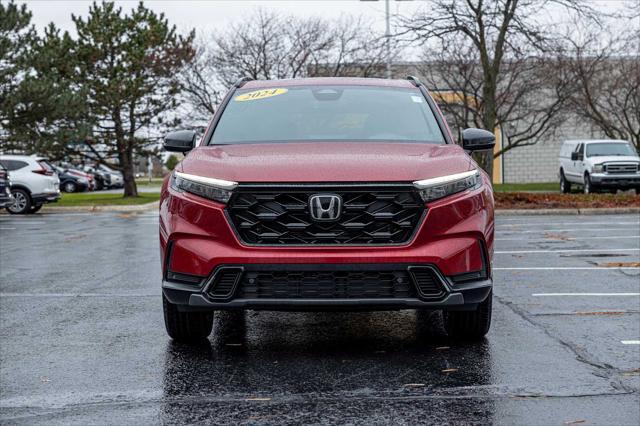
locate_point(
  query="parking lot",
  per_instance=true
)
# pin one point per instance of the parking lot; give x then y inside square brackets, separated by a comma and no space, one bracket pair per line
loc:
[83,339]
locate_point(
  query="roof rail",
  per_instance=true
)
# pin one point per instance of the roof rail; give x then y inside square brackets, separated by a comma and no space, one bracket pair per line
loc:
[415,80]
[240,82]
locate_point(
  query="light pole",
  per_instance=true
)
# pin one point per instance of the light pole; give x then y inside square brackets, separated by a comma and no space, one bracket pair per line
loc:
[387,36]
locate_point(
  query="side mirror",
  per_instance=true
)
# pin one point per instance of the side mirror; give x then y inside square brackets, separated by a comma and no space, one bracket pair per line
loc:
[575,156]
[477,139]
[180,141]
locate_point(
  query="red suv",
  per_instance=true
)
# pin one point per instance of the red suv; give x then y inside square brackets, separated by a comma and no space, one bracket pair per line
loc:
[322,194]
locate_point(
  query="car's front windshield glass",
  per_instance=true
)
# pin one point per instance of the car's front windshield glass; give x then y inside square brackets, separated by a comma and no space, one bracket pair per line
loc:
[606,149]
[327,113]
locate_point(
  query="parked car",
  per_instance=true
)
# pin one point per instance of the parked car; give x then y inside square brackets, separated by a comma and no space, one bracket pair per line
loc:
[327,193]
[603,164]
[33,182]
[72,180]
[115,177]
[6,198]
[102,179]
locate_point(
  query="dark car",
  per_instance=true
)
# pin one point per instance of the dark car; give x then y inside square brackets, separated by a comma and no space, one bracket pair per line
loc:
[327,193]
[5,188]
[102,179]
[70,181]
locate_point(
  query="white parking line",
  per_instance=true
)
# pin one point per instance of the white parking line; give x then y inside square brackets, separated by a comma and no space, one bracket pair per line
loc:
[605,237]
[567,268]
[566,250]
[6,229]
[585,294]
[630,342]
[537,231]
[102,295]
[526,225]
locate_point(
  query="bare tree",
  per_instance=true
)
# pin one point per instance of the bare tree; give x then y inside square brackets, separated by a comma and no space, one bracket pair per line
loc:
[530,96]
[607,83]
[356,51]
[499,31]
[271,46]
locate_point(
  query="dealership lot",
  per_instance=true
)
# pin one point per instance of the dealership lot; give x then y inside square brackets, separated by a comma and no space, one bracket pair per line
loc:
[83,340]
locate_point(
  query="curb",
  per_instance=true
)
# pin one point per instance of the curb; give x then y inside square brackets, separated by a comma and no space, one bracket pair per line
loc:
[585,211]
[91,209]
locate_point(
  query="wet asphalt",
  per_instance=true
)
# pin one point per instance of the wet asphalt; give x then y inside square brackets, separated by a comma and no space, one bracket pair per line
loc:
[82,339]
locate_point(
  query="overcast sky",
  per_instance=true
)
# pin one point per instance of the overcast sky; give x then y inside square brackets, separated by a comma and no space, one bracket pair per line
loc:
[208,15]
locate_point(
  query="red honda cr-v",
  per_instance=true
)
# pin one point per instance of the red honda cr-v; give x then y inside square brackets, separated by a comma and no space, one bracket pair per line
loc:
[327,193]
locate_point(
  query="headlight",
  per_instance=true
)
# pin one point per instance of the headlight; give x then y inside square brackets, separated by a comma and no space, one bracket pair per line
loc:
[433,189]
[598,168]
[213,189]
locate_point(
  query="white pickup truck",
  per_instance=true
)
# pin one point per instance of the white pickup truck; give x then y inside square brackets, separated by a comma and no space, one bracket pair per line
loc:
[604,164]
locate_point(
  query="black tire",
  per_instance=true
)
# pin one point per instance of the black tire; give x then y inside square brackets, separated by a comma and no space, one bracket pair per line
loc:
[469,325]
[35,209]
[186,327]
[69,186]
[587,188]
[565,185]
[21,203]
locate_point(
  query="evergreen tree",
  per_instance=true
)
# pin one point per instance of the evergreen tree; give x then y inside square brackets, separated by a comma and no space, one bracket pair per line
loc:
[129,66]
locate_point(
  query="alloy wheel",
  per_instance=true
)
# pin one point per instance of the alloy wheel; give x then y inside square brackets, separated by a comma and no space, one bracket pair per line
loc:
[19,202]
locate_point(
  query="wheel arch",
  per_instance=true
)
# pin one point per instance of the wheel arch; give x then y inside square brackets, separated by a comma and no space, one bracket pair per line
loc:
[20,186]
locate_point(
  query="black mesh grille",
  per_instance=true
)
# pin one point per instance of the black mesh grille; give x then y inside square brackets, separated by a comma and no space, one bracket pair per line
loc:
[325,285]
[429,286]
[370,215]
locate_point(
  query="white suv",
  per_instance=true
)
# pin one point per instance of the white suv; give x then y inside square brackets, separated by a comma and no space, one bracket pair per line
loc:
[606,164]
[33,182]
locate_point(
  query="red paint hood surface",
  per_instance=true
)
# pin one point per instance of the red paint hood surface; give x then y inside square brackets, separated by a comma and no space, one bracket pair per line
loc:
[327,162]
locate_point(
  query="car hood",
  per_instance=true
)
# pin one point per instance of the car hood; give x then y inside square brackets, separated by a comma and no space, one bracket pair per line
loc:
[327,162]
[615,159]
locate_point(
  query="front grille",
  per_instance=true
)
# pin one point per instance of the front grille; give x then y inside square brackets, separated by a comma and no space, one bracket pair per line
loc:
[621,168]
[370,215]
[317,284]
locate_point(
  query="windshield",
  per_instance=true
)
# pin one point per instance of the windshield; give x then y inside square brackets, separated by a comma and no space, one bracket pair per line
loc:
[327,113]
[616,149]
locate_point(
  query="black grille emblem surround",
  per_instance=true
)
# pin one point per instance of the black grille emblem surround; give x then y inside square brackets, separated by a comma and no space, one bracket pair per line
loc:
[325,207]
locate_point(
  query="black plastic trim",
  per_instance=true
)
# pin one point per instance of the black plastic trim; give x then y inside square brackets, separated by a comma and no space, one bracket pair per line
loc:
[212,280]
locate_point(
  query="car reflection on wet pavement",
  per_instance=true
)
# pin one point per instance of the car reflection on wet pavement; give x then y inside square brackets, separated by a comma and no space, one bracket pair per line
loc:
[83,341]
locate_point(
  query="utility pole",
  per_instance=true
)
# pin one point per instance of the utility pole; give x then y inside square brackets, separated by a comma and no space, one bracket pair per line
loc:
[387,36]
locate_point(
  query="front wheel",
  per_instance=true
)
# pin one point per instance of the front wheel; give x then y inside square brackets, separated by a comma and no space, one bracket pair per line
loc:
[186,327]
[35,209]
[469,325]
[21,202]
[587,188]
[565,186]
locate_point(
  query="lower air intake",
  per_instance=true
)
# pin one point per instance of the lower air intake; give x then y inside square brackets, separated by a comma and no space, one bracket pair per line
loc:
[223,283]
[427,283]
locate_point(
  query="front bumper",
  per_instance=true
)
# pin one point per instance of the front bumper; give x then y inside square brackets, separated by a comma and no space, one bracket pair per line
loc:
[630,180]
[202,294]
[455,238]
[6,201]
